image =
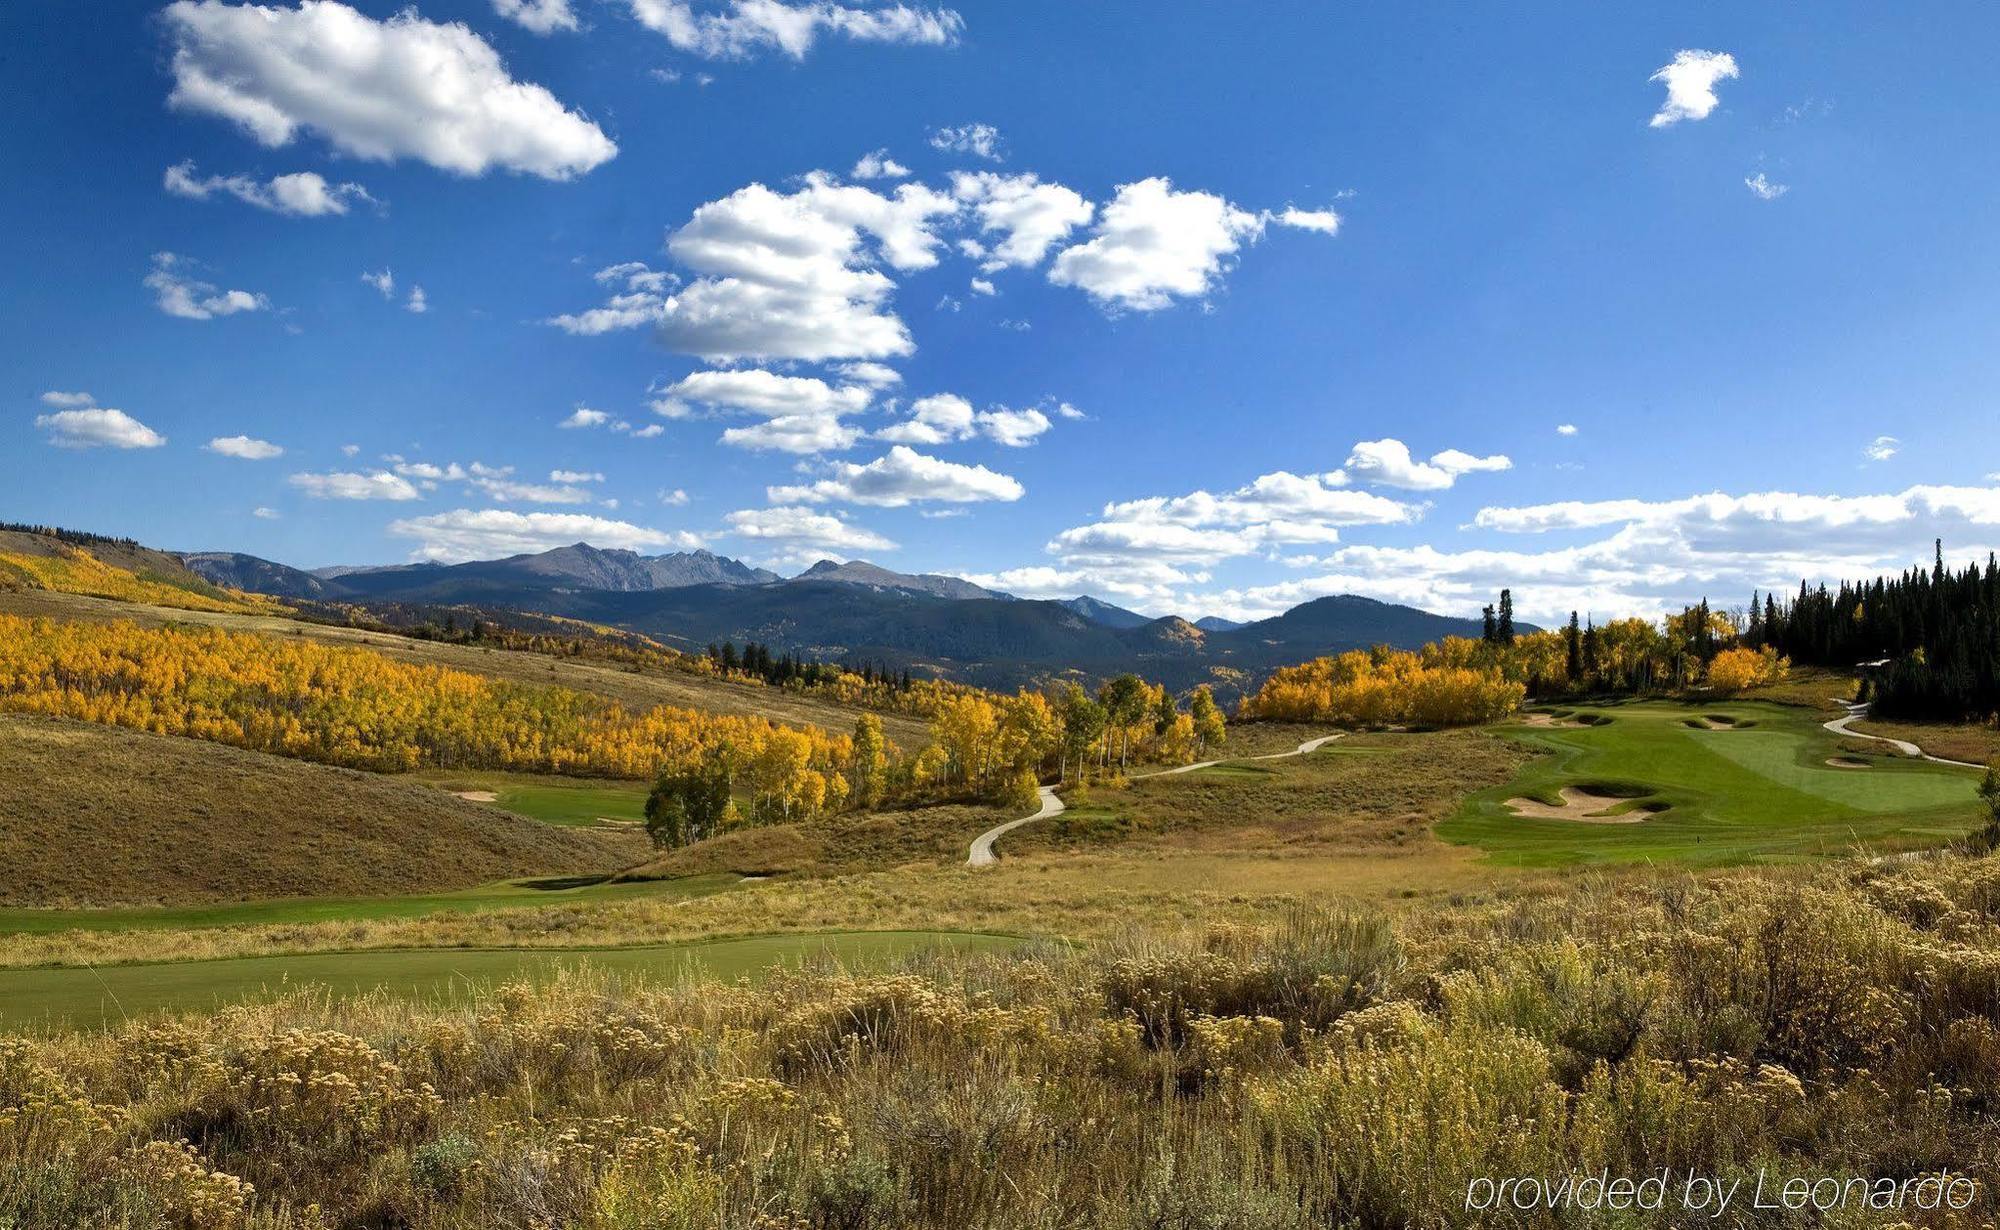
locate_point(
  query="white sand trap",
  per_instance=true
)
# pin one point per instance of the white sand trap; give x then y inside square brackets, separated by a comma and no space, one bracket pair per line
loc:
[1717,723]
[1845,762]
[1545,719]
[1579,805]
[477,796]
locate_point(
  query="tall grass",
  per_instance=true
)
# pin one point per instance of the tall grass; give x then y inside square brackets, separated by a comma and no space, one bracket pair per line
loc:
[1322,1067]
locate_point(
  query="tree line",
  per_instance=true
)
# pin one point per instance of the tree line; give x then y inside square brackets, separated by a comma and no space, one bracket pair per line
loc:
[1936,632]
[981,747]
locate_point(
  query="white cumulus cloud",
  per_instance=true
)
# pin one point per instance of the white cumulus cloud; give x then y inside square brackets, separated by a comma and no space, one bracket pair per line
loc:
[1690,80]
[979,140]
[378,90]
[744,28]
[303,194]
[180,293]
[378,485]
[1154,244]
[1028,215]
[800,533]
[87,425]
[465,534]
[1764,189]
[878,165]
[787,275]
[246,448]
[1388,463]
[538,16]
[900,477]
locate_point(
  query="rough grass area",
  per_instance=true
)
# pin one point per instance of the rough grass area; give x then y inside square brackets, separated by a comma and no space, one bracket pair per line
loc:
[1972,744]
[1379,792]
[534,892]
[1261,738]
[93,998]
[837,844]
[1328,1066]
[1808,687]
[99,815]
[630,686]
[1754,786]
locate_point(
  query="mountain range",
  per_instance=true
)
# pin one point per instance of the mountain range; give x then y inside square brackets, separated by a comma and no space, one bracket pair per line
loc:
[855,612]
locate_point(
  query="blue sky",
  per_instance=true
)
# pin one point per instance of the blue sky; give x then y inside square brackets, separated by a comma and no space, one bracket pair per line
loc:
[1191,308]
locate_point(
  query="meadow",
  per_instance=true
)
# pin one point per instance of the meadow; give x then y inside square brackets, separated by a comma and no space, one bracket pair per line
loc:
[1322,1066]
[1323,990]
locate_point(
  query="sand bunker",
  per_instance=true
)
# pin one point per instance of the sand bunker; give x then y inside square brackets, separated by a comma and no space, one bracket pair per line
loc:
[1545,719]
[1709,723]
[1846,762]
[1581,805]
[477,796]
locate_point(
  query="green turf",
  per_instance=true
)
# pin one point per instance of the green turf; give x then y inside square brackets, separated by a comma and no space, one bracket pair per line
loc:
[552,800]
[1760,790]
[571,890]
[91,997]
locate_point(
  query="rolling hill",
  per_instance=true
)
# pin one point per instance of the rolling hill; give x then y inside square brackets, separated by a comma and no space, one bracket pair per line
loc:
[234,570]
[99,815]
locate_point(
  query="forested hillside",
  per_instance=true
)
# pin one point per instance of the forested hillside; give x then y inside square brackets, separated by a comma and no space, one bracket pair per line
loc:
[1938,629]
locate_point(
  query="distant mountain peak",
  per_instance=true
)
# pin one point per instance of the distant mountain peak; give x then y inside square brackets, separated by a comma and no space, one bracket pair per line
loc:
[874,576]
[1103,613]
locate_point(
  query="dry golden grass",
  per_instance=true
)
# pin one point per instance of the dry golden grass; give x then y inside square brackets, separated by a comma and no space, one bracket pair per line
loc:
[1347,839]
[836,845]
[99,815]
[1373,793]
[1972,744]
[1308,1068]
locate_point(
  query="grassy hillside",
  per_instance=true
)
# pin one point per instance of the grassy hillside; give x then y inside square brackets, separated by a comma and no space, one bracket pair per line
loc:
[97,815]
[836,845]
[106,568]
[1376,795]
[629,686]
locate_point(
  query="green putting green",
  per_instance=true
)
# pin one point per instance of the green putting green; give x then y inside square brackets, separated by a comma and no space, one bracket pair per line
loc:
[507,894]
[1754,786]
[89,998]
[552,800]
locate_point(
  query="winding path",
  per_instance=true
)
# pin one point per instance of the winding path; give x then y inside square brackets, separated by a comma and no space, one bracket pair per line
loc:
[982,854]
[1857,711]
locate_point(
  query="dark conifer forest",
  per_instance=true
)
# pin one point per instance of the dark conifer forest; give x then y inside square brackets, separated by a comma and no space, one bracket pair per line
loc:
[1935,631]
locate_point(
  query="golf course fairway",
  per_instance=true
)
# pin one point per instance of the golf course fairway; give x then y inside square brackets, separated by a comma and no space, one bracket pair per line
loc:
[1707,784]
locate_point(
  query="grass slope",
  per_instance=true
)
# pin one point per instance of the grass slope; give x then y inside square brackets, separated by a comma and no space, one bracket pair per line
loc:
[552,800]
[1373,794]
[92,997]
[504,895]
[836,845]
[627,685]
[99,815]
[1758,789]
